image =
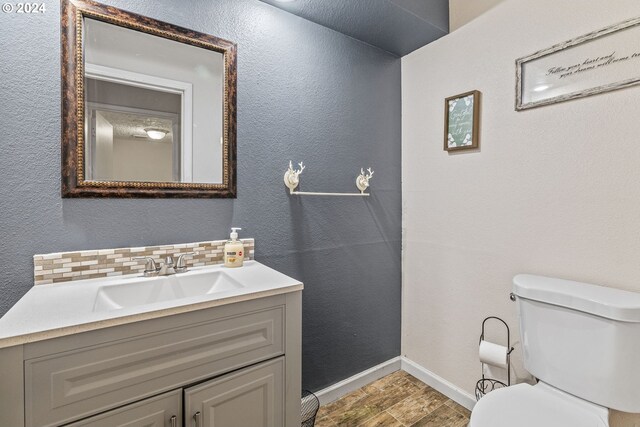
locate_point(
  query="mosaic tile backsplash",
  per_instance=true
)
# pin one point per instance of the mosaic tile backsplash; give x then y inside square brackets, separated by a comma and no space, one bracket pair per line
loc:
[80,265]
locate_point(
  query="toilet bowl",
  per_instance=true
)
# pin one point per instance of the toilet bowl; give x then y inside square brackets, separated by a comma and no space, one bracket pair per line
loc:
[541,405]
[581,342]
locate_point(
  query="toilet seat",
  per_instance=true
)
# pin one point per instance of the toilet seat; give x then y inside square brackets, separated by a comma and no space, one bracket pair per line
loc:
[541,405]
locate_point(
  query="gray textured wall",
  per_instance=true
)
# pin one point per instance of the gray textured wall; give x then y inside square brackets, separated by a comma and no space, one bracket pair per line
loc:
[304,93]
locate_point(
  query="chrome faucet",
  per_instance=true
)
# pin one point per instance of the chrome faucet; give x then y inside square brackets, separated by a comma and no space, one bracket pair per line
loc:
[181,264]
[167,269]
[151,268]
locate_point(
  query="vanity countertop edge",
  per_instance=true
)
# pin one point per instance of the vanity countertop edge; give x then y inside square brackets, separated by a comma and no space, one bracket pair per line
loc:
[22,324]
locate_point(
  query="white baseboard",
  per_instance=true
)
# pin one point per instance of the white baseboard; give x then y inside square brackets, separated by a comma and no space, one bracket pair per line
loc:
[443,386]
[346,386]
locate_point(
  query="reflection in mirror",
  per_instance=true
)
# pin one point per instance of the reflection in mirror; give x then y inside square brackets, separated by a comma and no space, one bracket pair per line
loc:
[153,108]
[132,144]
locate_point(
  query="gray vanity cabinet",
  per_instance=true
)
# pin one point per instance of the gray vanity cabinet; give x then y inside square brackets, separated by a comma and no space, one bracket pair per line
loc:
[252,396]
[160,411]
[235,365]
[61,386]
[249,397]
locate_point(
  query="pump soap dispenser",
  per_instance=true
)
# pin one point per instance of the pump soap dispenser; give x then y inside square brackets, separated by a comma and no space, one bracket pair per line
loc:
[233,250]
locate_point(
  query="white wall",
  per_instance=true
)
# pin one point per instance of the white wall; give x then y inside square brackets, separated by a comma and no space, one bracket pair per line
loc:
[463,11]
[552,191]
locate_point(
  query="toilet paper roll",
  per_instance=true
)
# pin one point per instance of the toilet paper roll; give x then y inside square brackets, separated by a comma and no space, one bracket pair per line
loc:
[493,354]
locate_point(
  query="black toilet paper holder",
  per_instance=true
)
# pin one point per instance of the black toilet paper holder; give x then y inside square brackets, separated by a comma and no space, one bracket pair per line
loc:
[485,385]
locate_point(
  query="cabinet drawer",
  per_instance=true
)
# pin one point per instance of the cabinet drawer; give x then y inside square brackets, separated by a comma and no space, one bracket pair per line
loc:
[67,386]
[159,411]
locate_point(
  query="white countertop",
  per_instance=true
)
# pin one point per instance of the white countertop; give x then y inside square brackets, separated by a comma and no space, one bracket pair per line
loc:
[50,311]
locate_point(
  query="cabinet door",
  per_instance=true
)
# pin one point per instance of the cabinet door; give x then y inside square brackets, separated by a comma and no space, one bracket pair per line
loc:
[164,410]
[252,396]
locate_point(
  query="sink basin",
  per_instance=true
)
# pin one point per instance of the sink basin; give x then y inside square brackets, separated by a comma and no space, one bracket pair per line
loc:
[165,288]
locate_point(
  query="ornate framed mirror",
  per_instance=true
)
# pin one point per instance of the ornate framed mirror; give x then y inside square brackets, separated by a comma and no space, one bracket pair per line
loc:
[148,108]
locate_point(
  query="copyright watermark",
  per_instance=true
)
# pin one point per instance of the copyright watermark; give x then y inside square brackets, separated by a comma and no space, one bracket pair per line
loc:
[26,8]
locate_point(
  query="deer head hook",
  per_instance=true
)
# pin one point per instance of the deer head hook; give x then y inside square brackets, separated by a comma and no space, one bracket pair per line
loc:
[292,176]
[362,181]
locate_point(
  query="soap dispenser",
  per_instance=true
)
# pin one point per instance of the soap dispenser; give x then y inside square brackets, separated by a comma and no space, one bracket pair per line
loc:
[233,250]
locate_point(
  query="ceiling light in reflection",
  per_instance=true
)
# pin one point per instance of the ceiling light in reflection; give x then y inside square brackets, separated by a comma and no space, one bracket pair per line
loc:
[155,133]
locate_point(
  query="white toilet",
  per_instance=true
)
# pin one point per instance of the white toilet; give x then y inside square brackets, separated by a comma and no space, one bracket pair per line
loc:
[582,342]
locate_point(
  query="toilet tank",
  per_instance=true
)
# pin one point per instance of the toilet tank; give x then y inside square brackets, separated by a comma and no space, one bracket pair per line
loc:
[583,339]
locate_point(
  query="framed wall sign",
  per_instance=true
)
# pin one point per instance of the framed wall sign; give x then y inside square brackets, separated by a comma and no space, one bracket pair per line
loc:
[597,62]
[461,121]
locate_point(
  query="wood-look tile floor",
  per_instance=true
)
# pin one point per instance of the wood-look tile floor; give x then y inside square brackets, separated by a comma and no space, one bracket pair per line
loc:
[397,400]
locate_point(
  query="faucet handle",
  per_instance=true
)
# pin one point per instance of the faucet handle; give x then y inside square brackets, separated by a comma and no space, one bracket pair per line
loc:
[150,267]
[181,264]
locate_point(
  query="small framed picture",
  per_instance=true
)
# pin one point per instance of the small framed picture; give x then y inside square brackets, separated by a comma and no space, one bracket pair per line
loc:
[462,121]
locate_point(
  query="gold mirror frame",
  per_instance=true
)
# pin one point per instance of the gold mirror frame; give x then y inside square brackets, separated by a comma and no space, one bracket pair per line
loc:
[73,139]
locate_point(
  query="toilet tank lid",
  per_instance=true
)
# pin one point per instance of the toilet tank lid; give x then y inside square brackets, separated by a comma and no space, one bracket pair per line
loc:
[610,303]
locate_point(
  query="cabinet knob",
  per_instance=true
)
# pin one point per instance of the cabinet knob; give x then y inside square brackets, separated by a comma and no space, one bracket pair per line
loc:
[196,418]
[173,420]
